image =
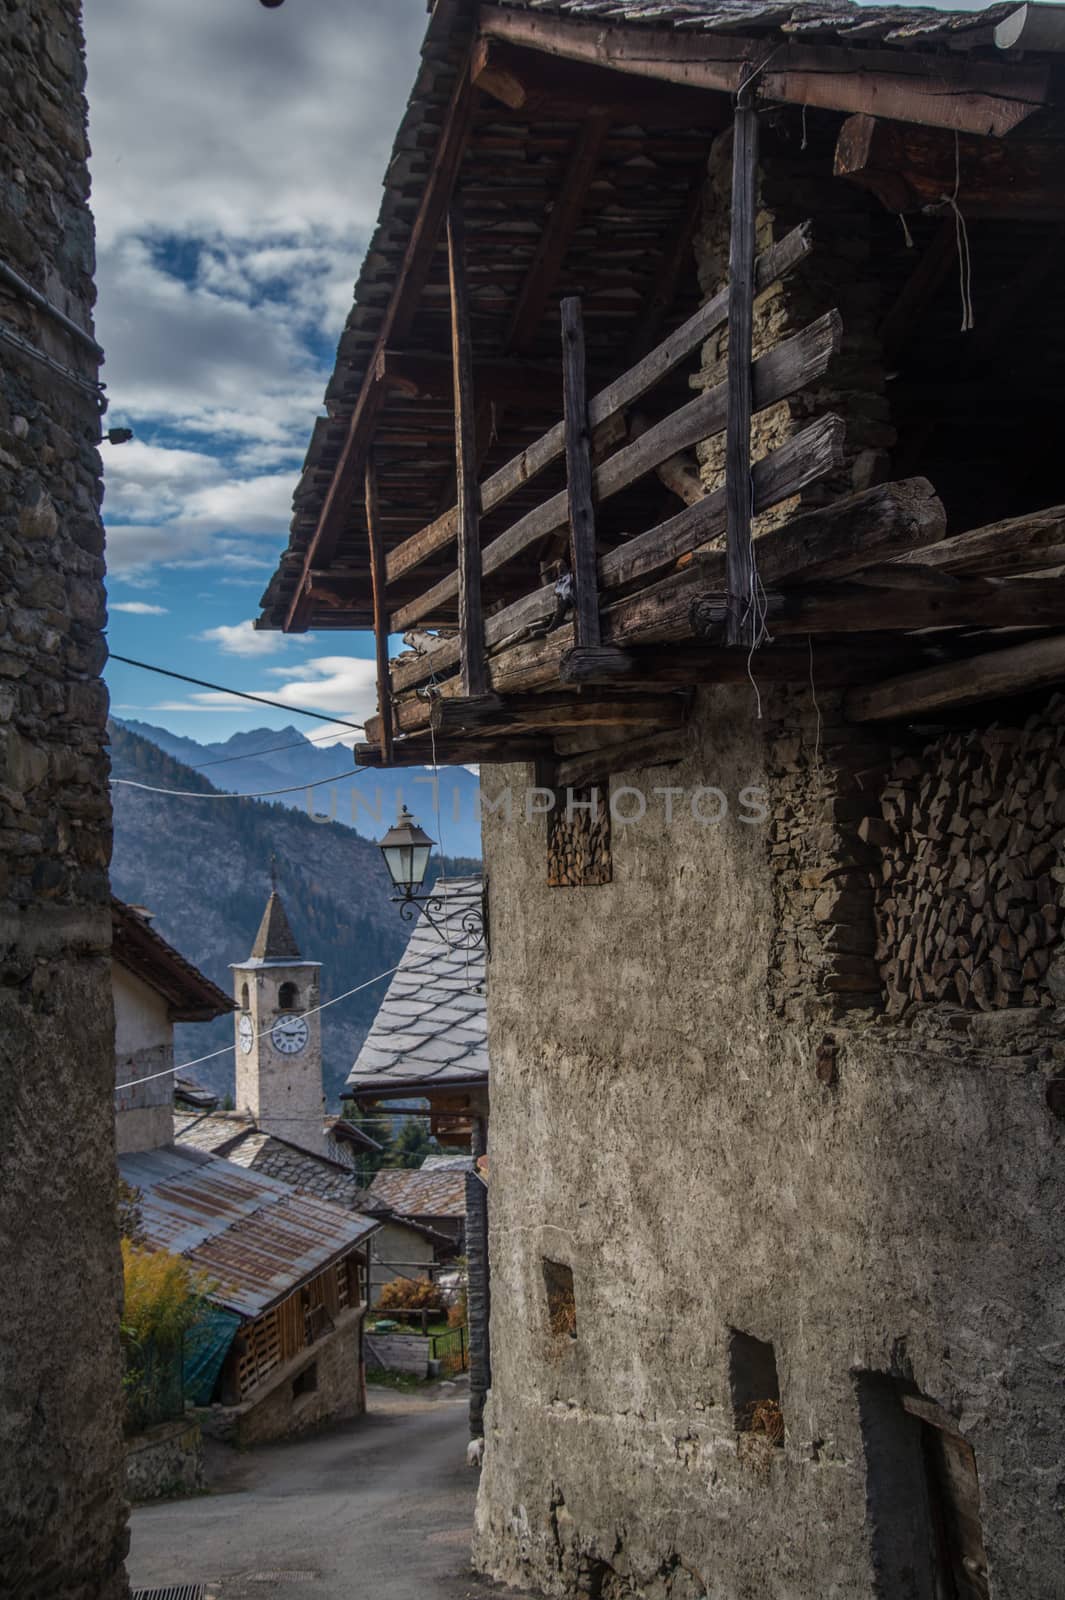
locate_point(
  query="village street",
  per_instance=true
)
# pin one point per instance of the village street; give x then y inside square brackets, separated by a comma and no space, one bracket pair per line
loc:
[379,1509]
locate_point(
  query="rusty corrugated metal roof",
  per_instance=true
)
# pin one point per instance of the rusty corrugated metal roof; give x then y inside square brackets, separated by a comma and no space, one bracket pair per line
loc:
[256,1238]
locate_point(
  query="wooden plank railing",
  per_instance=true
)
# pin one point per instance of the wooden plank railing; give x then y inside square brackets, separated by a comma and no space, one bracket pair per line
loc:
[611,602]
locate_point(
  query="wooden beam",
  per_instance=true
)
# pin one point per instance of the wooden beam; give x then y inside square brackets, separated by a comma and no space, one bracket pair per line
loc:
[579,478]
[522,385]
[380,614]
[909,168]
[775,263]
[742,627]
[547,88]
[677,258]
[656,750]
[851,608]
[942,91]
[463,749]
[468,576]
[686,666]
[1020,544]
[551,711]
[1016,670]
[559,227]
[413,272]
[781,371]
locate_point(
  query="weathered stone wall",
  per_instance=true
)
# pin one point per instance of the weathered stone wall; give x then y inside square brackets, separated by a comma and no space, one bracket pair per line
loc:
[338,1391]
[62,1534]
[714,1151]
[165,1463]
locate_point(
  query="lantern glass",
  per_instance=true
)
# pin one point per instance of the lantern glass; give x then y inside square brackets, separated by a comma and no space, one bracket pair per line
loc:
[406,849]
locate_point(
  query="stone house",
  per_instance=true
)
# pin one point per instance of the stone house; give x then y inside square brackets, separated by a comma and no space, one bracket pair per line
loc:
[63,1533]
[274,1227]
[154,987]
[769,729]
[428,1043]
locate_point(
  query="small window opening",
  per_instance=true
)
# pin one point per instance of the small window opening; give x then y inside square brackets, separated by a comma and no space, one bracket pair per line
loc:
[578,839]
[288,997]
[561,1301]
[755,1388]
[922,1496]
[305,1382]
[245,998]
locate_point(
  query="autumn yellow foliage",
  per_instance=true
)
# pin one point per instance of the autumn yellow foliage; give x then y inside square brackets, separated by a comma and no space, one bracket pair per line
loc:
[164,1294]
[410,1294]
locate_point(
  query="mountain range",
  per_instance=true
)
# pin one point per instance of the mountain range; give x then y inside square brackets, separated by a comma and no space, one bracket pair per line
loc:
[203,868]
[271,758]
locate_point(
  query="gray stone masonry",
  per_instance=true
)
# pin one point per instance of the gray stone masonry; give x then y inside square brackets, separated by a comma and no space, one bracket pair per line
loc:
[63,1528]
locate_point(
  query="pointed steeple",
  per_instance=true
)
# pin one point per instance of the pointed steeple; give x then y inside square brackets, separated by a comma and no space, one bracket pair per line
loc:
[275,940]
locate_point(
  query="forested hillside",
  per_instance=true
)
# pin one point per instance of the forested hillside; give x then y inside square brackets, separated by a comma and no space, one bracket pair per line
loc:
[203,867]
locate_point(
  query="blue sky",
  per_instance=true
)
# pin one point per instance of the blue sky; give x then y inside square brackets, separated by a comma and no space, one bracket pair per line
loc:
[237,161]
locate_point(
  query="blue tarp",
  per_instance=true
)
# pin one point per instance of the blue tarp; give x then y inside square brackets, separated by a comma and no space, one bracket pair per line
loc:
[206,1347]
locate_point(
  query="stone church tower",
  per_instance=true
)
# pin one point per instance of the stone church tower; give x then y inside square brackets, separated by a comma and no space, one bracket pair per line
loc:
[279,1049]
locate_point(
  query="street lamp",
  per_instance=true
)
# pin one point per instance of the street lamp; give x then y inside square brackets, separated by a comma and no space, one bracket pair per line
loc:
[406,848]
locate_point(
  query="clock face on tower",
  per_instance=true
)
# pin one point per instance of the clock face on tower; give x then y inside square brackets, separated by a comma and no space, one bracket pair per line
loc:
[290,1035]
[246,1033]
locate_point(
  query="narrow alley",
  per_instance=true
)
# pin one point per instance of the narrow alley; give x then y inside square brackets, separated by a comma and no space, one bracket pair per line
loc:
[380,1508]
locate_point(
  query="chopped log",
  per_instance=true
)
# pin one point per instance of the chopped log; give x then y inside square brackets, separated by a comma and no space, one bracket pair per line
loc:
[910,167]
[468,576]
[579,478]
[1019,544]
[775,263]
[656,750]
[1010,671]
[380,618]
[788,367]
[741,622]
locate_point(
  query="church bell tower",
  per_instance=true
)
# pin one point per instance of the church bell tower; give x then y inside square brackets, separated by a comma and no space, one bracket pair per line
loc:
[279,1049]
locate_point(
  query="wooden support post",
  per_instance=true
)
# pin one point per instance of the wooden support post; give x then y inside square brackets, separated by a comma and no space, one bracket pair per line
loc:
[579,477]
[742,624]
[471,621]
[380,611]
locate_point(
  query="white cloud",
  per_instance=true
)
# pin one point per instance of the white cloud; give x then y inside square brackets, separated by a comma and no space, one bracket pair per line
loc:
[241,639]
[138,608]
[344,684]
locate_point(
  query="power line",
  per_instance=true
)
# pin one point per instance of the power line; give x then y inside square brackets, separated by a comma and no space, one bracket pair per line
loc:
[260,699]
[222,794]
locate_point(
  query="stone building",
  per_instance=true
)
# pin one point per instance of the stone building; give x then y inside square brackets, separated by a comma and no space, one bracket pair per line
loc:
[154,987]
[63,1531]
[772,749]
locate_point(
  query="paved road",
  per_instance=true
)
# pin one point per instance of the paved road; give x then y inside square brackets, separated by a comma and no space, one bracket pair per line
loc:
[380,1509]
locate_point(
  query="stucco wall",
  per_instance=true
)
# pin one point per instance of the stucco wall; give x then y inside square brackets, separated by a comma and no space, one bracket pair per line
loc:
[63,1528]
[144,1047]
[397,1252]
[663,1124]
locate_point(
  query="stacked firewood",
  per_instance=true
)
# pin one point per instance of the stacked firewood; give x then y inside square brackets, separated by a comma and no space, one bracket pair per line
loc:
[972,844]
[578,845]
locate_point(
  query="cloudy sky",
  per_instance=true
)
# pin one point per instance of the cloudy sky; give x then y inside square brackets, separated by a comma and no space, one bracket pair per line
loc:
[237,162]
